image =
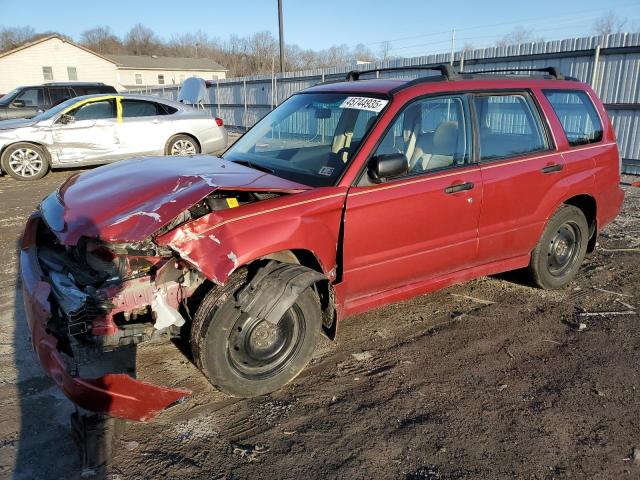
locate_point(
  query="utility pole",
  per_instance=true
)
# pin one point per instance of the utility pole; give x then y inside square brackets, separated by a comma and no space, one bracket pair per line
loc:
[281,31]
[453,45]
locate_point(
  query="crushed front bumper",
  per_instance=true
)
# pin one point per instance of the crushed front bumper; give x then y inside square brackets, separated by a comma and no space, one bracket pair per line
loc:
[117,395]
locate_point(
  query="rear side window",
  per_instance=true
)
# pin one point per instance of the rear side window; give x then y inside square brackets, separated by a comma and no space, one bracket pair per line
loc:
[58,95]
[139,108]
[508,125]
[577,115]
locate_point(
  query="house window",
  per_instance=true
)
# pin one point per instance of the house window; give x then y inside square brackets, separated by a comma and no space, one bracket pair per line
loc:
[72,72]
[160,79]
[47,73]
[138,79]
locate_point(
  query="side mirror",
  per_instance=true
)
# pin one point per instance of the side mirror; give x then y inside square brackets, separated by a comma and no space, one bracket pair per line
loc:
[383,167]
[66,119]
[18,104]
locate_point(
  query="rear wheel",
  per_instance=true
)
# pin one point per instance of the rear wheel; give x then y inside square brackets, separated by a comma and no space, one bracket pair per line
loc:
[182,145]
[25,161]
[245,356]
[561,249]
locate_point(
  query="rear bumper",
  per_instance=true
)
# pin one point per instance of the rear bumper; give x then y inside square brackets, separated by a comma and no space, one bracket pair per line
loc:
[117,395]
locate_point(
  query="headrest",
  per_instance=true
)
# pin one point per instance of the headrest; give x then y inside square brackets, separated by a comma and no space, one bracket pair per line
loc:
[445,138]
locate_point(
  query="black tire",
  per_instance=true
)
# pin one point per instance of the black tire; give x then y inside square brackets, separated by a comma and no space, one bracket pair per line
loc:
[223,341]
[25,161]
[182,145]
[561,249]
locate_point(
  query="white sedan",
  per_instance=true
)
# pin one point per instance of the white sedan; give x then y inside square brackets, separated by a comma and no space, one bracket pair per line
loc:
[97,129]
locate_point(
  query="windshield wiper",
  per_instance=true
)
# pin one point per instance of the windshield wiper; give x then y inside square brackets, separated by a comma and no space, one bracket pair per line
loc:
[255,166]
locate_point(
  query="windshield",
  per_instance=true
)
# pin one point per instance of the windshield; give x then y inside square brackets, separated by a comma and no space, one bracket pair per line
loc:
[9,96]
[310,138]
[52,112]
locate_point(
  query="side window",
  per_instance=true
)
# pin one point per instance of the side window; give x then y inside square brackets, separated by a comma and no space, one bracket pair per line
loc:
[508,126]
[32,97]
[58,95]
[577,115]
[95,111]
[432,133]
[139,108]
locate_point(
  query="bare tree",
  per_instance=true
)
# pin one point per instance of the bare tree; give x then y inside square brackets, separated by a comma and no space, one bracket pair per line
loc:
[384,50]
[102,40]
[608,23]
[518,35]
[11,38]
[142,41]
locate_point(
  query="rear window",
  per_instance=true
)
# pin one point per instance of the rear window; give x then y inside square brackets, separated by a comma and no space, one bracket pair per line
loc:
[577,115]
[509,125]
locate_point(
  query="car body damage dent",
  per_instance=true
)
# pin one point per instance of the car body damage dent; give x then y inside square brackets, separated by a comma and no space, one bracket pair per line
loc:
[116,203]
[116,394]
[221,241]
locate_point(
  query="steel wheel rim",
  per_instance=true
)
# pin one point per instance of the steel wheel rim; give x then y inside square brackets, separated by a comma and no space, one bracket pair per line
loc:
[563,249]
[257,349]
[26,162]
[183,147]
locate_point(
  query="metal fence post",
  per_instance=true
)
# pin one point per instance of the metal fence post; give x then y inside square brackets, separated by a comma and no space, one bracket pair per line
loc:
[244,119]
[594,71]
[218,96]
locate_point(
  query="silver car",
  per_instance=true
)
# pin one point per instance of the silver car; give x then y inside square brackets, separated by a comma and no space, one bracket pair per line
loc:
[98,129]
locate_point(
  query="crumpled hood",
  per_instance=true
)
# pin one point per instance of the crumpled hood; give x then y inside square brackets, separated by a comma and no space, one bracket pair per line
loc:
[130,200]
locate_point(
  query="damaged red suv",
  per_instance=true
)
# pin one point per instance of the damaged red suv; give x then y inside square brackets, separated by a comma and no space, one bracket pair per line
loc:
[348,196]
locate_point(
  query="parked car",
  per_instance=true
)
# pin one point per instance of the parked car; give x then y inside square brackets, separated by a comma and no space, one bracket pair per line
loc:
[27,102]
[346,197]
[96,129]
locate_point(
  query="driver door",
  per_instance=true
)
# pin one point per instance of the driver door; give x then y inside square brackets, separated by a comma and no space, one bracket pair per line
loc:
[88,133]
[421,226]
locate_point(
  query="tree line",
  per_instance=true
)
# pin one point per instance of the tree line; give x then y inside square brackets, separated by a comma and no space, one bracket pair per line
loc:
[253,54]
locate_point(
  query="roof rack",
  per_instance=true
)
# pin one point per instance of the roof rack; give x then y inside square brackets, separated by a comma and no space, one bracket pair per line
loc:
[446,70]
[553,72]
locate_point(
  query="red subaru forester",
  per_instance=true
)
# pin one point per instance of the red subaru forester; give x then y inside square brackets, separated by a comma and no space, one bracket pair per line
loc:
[346,197]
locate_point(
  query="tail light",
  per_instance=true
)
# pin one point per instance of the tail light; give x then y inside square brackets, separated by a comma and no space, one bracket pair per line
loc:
[219,121]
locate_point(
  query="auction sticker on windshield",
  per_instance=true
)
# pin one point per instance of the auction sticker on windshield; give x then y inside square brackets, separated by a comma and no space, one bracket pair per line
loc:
[364,103]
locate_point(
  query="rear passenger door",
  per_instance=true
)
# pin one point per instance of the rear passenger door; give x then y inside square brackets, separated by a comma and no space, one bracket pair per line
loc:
[519,165]
[143,128]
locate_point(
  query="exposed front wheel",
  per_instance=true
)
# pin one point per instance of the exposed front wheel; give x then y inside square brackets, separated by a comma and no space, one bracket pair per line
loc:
[182,145]
[246,356]
[25,161]
[561,249]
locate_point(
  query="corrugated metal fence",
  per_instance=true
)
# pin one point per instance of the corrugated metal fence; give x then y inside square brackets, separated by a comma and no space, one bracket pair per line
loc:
[610,64]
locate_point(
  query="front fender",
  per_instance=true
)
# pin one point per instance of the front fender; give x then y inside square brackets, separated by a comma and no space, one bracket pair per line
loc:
[220,242]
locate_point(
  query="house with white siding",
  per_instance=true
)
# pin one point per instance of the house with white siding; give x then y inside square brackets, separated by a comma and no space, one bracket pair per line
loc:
[56,59]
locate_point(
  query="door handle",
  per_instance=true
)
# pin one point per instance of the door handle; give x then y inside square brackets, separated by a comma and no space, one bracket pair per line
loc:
[556,167]
[459,187]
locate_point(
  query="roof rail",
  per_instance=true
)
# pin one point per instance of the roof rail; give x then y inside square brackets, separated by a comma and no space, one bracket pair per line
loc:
[446,70]
[551,71]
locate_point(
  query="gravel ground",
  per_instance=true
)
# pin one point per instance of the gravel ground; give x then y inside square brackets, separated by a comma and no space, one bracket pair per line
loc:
[489,379]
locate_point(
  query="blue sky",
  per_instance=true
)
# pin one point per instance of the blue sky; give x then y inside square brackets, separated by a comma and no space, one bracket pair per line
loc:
[413,27]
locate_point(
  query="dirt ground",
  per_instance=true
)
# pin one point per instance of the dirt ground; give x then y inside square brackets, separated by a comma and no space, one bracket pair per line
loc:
[489,379]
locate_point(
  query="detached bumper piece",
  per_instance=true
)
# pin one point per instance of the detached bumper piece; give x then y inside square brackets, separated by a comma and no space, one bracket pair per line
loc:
[117,395]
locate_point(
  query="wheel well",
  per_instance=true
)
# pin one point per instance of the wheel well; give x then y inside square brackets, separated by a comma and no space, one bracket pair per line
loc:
[195,139]
[39,145]
[587,204]
[323,288]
